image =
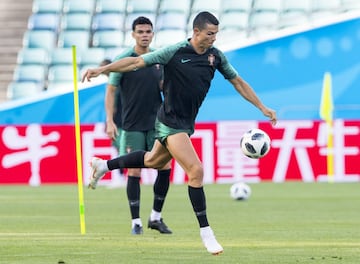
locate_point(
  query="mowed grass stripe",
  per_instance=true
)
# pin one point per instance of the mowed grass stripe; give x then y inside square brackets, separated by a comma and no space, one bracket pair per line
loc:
[281,223]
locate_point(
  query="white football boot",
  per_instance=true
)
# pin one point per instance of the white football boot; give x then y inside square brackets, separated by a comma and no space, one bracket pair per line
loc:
[98,170]
[209,241]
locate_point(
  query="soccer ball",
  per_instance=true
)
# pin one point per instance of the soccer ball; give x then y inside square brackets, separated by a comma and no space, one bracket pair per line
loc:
[255,143]
[240,191]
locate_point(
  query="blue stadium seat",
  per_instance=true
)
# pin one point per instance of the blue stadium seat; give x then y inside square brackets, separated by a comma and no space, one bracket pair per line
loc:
[148,6]
[63,56]
[170,6]
[79,38]
[17,90]
[303,6]
[76,6]
[213,6]
[327,8]
[350,5]
[292,18]
[267,6]
[44,22]
[128,39]
[263,19]
[171,20]
[39,39]
[33,56]
[111,53]
[47,6]
[30,73]
[263,22]
[326,5]
[108,39]
[110,6]
[235,20]
[107,21]
[169,36]
[61,73]
[92,56]
[190,22]
[76,21]
[236,6]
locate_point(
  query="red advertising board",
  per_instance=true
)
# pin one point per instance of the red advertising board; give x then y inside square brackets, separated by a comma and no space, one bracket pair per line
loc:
[45,154]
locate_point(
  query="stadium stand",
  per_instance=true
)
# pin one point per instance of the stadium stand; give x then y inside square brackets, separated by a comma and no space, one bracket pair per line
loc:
[41,32]
[17,90]
[91,56]
[62,56]
[169,36]
[79,38]
[107,21]
[76,21]
[171,6]
[110,6]
[236,6]
[83,6]
[213,6]
[60,77]
[33,56]
[148,6]
[108,39]
[46,6]
[228,18]
[348,5]
[44,39]
[171,20]
[30,73]
[44,21]
[14,17]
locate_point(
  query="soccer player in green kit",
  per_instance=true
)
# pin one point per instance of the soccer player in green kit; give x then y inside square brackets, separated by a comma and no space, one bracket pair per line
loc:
[189,67]
[140,95]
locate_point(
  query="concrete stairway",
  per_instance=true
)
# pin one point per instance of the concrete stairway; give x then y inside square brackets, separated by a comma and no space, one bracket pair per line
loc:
[14,16]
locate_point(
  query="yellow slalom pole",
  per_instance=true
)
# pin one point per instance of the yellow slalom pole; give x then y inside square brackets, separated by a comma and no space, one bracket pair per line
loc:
[326,113]
[330,149]
[78,145]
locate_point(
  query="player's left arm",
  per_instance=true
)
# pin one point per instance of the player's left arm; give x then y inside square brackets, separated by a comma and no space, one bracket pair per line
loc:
[249,94]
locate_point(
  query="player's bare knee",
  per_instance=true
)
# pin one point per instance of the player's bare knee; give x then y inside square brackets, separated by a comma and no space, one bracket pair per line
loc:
[196,175]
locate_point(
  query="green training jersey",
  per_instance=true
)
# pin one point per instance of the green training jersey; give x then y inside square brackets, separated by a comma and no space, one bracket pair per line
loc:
[187,79]
[139,93]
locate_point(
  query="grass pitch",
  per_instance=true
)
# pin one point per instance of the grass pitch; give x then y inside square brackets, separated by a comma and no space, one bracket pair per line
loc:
[280,223]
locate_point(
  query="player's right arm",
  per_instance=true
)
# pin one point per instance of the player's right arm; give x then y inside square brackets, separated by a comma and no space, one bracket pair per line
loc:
[124,65]
[111,128]
[246,91]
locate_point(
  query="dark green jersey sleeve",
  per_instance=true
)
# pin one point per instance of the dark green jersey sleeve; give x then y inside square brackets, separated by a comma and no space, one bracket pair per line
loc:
[163,55]
[226,69]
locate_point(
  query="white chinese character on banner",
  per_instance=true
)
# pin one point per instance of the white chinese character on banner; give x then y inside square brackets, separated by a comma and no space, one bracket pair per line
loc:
[290,143]
[233,165]
[29,148]
[340,151]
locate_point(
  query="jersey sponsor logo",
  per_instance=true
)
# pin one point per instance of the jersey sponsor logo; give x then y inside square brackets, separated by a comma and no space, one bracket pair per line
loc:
[211,59]
[185,60]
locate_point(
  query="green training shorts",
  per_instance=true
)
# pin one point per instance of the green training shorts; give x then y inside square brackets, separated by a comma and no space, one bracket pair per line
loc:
[163,131]
[136,140]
